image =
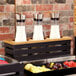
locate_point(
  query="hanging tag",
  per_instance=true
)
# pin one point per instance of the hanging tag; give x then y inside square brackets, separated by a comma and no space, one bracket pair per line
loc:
[23,17]
[18,17]
[20,34]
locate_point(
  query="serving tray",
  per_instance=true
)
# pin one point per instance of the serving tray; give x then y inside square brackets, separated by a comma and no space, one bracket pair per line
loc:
[61,72]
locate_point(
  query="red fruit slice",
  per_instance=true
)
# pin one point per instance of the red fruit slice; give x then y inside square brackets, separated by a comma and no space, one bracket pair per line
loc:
[66,63]
[74,65]
[70,63]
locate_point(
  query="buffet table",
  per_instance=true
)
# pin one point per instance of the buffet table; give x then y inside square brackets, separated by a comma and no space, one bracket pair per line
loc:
[48,50]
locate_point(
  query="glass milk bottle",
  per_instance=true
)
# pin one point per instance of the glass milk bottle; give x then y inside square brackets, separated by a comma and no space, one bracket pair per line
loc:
[21,31]
[55,31]
[38,29]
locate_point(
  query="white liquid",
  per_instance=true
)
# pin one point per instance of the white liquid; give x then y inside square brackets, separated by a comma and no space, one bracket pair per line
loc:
[38,32]
[54,32]
[20,34]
